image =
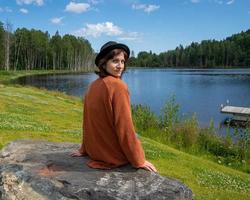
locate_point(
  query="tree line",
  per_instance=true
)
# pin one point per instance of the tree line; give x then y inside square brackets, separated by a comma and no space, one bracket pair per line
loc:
[33,49]
[234,51]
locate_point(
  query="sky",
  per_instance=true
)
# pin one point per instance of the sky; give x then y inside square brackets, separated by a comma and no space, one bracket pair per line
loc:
[143,25]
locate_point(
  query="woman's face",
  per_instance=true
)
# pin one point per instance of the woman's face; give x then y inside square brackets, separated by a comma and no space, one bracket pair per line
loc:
[115,66]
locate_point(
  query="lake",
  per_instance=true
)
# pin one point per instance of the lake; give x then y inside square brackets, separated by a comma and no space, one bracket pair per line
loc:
[197,90]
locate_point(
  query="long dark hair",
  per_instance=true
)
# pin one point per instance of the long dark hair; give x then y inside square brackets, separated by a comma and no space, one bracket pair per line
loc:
[101,65]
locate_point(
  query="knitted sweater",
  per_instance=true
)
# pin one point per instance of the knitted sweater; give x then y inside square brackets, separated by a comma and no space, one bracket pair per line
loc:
[109,137]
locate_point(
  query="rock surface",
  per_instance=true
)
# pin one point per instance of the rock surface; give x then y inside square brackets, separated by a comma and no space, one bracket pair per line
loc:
[42,170]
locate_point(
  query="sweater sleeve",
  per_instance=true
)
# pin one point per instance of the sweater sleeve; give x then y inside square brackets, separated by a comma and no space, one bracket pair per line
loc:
[130,144]
[82,149]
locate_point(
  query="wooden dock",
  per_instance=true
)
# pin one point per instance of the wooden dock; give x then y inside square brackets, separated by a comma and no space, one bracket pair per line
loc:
[239,113]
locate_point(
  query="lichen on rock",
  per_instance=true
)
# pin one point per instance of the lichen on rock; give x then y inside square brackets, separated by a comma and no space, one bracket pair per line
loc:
[45,170]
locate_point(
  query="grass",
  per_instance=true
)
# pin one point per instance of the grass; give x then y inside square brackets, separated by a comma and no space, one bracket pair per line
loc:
[207,179]
[30,113]
[33,113]
[6,76]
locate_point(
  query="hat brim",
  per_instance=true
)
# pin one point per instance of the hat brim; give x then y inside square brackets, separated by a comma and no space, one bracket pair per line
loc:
[104,52]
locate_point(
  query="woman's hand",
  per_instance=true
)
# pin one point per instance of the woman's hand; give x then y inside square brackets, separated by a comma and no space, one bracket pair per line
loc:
[76,153]
[149,166]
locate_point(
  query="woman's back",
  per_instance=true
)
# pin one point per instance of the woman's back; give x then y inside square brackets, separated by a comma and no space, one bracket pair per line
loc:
[109,137]
[100,135]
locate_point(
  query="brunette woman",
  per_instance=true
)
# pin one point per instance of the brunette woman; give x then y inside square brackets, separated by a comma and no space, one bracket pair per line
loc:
[109,137]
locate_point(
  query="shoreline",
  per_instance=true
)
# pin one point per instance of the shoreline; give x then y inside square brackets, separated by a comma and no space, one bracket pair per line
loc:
[32,113]
[7,76]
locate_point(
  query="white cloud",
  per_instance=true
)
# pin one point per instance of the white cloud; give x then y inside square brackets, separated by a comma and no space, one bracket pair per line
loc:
[227,2]
[230,2]
[96,30]
[195,1]
[94,2]
[107,29]
[138,6]
[56,20]
[77,7]
[27,2]
[146,8]
[130,36]
[8,9]
[151,8]
[218,1]
[24,11]
[5,9]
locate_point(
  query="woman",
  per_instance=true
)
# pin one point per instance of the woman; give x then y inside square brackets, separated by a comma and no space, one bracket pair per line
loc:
[109,136]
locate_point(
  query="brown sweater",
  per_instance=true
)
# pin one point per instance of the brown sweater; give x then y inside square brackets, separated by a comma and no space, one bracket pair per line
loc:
[109,137]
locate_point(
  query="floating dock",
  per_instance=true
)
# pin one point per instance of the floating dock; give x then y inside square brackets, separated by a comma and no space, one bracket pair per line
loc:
[239,113]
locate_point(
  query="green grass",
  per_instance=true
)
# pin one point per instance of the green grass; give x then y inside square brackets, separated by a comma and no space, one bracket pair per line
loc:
[6,76]
[30,113]
[207,179]
[9,75]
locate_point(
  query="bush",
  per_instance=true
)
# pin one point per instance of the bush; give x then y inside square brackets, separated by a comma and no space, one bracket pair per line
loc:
[169,114]
[185,134]
[143,118]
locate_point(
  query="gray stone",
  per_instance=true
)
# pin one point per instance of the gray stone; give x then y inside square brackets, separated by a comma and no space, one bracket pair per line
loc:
[44,170]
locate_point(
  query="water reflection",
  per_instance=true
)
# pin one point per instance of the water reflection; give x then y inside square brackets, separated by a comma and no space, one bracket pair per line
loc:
[197,91]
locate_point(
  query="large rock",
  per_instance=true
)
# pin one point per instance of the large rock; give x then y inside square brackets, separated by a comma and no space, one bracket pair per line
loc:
[43,170]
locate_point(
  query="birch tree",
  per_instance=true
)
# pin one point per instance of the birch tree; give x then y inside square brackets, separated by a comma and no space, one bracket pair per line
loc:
[1,46]
[7,43]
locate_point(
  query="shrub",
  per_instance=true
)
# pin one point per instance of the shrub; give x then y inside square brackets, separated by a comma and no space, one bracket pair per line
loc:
[169,114]
[143,117]
[185,134]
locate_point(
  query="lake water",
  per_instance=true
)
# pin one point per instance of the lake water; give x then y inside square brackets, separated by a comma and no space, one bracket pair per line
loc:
[197,91]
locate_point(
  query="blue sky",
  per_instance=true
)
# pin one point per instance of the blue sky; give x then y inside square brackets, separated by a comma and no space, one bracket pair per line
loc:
[143,25]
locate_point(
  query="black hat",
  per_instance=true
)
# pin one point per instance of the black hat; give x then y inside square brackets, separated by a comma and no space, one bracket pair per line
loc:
[109,46]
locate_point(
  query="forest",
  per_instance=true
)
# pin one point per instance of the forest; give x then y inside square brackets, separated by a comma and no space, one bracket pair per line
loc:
[32,49]
[25,49]
[234,51]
